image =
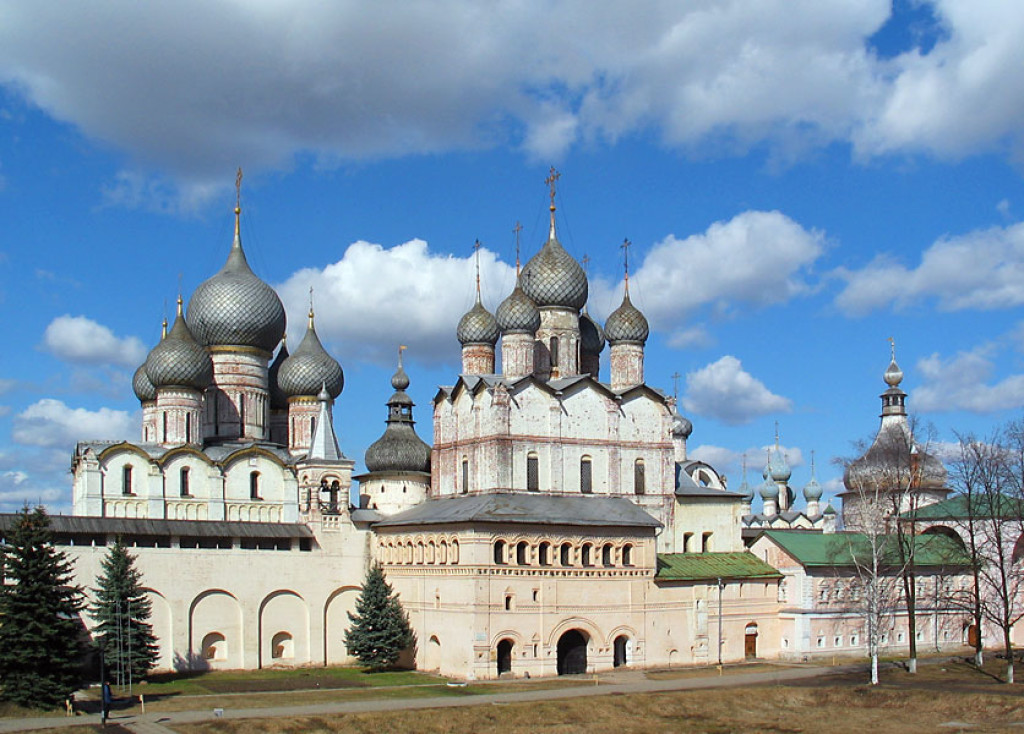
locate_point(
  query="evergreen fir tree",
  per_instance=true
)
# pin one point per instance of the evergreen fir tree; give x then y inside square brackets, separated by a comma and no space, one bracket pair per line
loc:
[120,612]
[380,629]
[40,631]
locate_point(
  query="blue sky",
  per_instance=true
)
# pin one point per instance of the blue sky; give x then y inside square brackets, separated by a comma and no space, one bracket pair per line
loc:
[800,181]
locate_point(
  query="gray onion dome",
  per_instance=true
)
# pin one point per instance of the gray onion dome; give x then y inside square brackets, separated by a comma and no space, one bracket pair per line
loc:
[310,368]
[769,490]
[278,400]
[813,490]
[552,277]
[626,324]
[591,335]
[779,467]
[143,388]
[746,491]
[478,326]
[893,374]
[179,360]
[235,308]
[517,313]
[399,449]
[682,427]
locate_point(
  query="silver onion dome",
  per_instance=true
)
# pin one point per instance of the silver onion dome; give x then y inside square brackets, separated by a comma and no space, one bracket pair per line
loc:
[627,324]
[278,400]
[143,388]
[235,308]
[893,374]
[399,449]
[592,339]
[477,326]
[179,360]
[769,490]
[517,313]
[552,277]
[682,427]
[310,368]
[813,491]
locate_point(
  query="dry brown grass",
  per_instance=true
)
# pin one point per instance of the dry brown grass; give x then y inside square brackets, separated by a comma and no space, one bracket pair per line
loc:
[939,695]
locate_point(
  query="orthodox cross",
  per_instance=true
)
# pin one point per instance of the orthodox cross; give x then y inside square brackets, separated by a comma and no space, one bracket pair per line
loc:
[586,264]
[516,230]
[238,189]
[626,244]
[675,385]
[476,250]
[551,180]
[401,348]
[892,348]
[311,305]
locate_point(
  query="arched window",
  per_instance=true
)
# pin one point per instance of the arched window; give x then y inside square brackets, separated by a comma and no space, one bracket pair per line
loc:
[499,552]
[241,415]
[544,554]
[553,348]
[566,554]
[639,478]
[188,428]
[705,543]
[627,555]
[606,555]
[183,482]
[254,485]
[687,542]
[126,479]
[165,427]
[522,553]
[532,473]
[585,555]
[465,475]
[586,476]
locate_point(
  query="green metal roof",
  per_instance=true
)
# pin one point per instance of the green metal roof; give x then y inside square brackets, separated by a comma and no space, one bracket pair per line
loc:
[840,549]
[707,566]
[961,507]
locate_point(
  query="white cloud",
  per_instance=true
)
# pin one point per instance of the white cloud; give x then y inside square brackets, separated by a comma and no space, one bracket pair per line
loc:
[962,382]
[981,270]
[723,390]
[348,81]
[81,340]
[382,297]
[757,258]
[51,423]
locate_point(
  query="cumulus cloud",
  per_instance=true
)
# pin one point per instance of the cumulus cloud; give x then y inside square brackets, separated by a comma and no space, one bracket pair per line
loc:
[348,81]
[756,258]
[963,382]
[51,423]
[382,297]
[81,340]
[980,270]
[725,391]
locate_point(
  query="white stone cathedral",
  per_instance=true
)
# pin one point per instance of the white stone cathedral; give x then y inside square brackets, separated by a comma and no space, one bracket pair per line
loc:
[556,526]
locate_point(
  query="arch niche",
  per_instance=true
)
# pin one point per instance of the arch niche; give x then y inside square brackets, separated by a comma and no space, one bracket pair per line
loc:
[572,653]
[340,603]
[505,656]
[621,651]
[215,631]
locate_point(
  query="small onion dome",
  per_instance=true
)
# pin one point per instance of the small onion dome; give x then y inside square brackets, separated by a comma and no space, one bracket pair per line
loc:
[143,388]
[769,490]
[477,326]
[278,400]
[893,374]
[179,360]
[552,277]
[518,314]
[813,490]
[235,308]
[626,324]
[746,491]
[779,467]
[310,368]
[399,449]
[681,426]
[591,335]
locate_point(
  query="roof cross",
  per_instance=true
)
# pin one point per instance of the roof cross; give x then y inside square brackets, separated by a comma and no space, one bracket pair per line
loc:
[626,244]
[675,385]
[516,230]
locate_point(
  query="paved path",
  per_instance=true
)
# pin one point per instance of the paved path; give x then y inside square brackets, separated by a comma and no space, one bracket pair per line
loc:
[615,683]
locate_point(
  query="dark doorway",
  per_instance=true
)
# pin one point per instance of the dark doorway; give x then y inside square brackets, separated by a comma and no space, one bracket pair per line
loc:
[750,642]
[572,653]
[620,651]
[505,656]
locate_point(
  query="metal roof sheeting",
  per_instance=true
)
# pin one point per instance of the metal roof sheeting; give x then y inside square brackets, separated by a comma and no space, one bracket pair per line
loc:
[708,566]
[63,524]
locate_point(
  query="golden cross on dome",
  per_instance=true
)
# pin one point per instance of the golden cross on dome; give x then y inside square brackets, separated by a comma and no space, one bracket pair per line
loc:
[551,180]
[476,249]
[892,348]
[238,189]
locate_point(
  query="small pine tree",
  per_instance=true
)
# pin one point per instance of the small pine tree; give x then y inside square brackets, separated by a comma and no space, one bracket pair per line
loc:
[40,630]
[380,628]
[120,612]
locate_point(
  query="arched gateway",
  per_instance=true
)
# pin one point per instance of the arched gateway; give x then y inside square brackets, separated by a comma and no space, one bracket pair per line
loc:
[572,653]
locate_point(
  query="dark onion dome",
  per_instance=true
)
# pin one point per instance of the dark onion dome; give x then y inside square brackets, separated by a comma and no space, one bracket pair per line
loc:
[681,425]
[517,314]
[310,368]
[235,308]
[477,326]
[399,449]
[143,388]
[552,277]
[278,400]
[626,324]
[591,335]
[179,360]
